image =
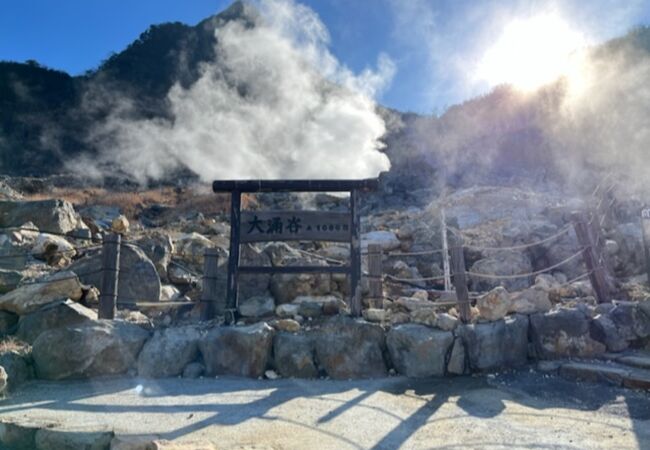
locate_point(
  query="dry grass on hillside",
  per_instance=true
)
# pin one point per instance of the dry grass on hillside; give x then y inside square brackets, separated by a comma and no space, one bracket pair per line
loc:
[199,199]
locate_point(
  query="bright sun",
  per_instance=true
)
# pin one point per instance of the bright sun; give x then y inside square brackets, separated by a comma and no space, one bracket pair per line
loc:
[532,52]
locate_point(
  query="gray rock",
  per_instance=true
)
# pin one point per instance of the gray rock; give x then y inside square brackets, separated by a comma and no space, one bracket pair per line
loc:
[138,279]
[242,351]
[4,381]
[194,370]
[456,365]
[18,368]
[505,263]
[629,259]
[287,310]
[54,315]
[8,322]
[530,301]
[630,321]
[158,247]
[9,280]
[54,216]
[603,329]
[294,355]
[286,287]
[563,333]
[168,352]
[258,306]
[496,345]
[346,348]
[92,349]
[17,437]
[418,351]
[13,257]
[447,322]
[191,248]
[254,285]
[31,297]
[52,439]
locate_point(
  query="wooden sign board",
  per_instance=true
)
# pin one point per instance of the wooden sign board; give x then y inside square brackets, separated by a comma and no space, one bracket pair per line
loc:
[261,226]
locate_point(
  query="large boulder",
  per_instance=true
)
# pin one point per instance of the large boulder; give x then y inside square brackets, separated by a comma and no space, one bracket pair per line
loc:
[53,216]
[563,333]
[13,256]
[294,355]
[494,305]
[31,297]
[501,263]
[138,277]
[8,322]
[629,260]
[191,248]
[257,306]
[603,329]
[9,280]
[92,349]
[54,315]
[496,345]
[387,240]
[47,244]
[168,352]
[346,348]
[419,351]
[630,321]
[242,351]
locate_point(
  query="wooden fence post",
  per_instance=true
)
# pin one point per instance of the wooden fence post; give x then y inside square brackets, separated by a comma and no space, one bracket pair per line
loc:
[445,250]
[233,260]
[376,297]
[460,279]
[355,255]
[110,276]
[210,305]
[593,261]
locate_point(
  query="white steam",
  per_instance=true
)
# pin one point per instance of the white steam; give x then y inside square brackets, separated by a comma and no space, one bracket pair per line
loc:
[274,104]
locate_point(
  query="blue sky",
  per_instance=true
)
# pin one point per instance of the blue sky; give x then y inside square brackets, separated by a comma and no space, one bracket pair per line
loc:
[433,43]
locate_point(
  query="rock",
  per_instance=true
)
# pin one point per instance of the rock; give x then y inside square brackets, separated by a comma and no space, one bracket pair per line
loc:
[92,349]
[120,225]
[53,216]
[375,315]
[494,305]
[397,318]
[563,333]
[159,248]
[346,348]
[9,280]
[168,352]
[387,240]
[253,285]
[18,368]
[258,306]
[505,263]
[191,248]
[629,260]
[288,325]
[496,345]
[456,365]
[242,351]
[180,276]
[13,256]
[51,439]
[138,278]
[446,322]
[287,310]
[8,322]
[135,318]
[630,321]
[48,245]
[193,370]
[412,304]
[287,287]
[169,293]
[4,381]
[530,301]
[54,315]
[603,329]
[30,297]
[424,316]
[315,306]
[418,351]
[545,282]
[271,375]
[16,436]
[294,355]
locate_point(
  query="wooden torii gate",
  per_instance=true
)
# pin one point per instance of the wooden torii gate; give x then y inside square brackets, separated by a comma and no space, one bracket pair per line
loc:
[262,226]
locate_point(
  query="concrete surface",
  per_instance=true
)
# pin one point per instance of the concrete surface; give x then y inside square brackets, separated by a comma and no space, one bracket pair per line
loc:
[522,409]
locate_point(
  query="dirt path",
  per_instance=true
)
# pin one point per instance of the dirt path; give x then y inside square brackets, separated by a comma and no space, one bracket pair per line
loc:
[524,409]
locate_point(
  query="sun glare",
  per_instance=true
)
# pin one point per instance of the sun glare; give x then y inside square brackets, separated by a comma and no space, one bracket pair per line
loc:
[532,52]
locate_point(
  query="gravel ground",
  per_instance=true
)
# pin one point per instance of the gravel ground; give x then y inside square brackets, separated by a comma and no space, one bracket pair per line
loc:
[520,409]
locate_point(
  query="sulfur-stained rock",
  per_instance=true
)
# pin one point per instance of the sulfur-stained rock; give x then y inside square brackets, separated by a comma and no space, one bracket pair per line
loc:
[494,305]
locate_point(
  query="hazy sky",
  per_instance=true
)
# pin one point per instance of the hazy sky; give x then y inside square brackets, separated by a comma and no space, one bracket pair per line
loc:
[436,45]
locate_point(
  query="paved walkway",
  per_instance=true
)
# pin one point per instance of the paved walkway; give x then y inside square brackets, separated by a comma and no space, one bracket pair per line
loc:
[524,410]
